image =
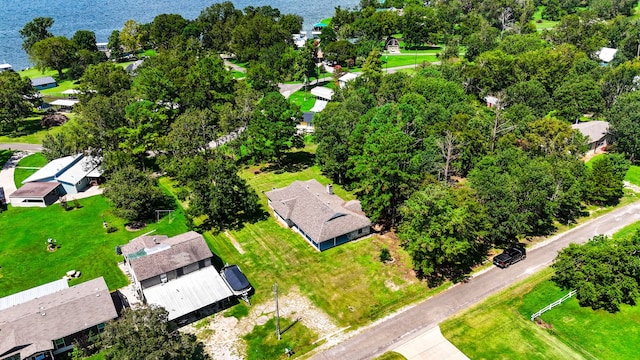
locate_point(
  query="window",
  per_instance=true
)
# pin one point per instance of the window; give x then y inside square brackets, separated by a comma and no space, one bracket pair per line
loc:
[100,327]
[359,231]
[59,343]
[163,278]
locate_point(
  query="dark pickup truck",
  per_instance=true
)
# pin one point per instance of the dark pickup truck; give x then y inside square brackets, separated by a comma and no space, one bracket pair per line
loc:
[510,256]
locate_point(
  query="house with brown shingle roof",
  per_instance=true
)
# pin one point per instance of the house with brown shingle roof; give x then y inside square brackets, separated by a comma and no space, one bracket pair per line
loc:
[175,273]
[316,213]
[44,322]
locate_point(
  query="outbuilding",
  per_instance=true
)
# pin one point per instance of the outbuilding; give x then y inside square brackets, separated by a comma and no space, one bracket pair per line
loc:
[43,83]
[36,194]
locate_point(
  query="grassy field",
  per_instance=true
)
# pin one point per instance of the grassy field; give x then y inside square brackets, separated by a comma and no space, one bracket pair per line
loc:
[29,132]
[348,282]
[633,175]
[500,327]
[542,24]
[262,342]
[25,261]
[302,99]
[403,60]
[32,161]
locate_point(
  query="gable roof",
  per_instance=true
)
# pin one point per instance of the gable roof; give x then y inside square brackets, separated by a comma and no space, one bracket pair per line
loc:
[43,81]
[149,258]
[592,130]
[31,327]
[68,169]
[322,92]
[322,216]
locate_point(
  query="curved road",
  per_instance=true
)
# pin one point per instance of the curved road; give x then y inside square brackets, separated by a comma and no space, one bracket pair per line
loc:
[402,327]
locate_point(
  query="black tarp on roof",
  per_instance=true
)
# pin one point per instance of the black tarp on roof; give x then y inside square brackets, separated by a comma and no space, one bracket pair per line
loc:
[235,278]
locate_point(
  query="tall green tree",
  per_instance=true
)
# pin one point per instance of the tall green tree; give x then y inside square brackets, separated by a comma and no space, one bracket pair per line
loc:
[624,117]
[605,180]
[272,128]
[15,96]
[218,195]
[115,45]
[135,195]
[165,27]
[444,230]
[53,52]
[105,79]
[34,31]
[207,84]
[145,333]
[85,40]
[603,271]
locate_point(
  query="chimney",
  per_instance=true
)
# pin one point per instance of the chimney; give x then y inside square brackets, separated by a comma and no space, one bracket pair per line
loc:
[330,189]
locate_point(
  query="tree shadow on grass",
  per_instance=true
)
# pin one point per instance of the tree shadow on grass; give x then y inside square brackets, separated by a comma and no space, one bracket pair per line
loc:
[292,162]
[5,155]
[25,127]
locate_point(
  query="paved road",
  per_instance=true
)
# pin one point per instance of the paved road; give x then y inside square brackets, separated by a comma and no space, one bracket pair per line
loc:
[21,147]
[404,326]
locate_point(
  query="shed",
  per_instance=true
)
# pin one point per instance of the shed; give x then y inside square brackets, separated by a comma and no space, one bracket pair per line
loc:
[64,104]
[42,83]
[606,54]
[36,194]
[322,92]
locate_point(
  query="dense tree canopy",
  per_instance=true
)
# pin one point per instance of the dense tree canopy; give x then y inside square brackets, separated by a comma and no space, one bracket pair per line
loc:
[144,333]
[34,31]
[604,271]
[53,52]
[15,96]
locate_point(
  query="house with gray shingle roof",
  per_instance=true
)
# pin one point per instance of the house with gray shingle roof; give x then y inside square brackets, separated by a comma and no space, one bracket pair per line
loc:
[316,213]
[597,134]
[175,273]
[44,322]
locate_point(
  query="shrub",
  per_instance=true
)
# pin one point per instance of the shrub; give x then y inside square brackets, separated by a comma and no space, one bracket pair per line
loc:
[385,255]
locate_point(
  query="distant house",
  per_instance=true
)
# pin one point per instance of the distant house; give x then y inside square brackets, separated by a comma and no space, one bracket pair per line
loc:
[316,213]
[300,39]
[597,134]
[606,55]
[64,104]
[43,322]
[5,67]
[344,79]
[493,102]
[102,46]
[316,30]
[42,83]
[176,273]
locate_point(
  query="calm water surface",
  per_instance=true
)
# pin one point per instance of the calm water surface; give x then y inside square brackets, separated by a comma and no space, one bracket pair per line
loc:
[104,16]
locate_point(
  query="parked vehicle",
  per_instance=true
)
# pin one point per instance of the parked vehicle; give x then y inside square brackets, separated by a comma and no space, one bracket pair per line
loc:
[510,256]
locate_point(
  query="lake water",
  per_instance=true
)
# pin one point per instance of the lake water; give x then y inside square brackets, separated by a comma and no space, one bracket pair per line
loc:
[102,17]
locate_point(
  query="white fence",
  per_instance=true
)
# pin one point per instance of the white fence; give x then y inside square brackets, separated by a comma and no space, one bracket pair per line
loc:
[552,305]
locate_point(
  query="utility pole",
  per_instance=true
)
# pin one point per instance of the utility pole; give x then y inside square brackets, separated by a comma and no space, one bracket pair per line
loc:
[275,294]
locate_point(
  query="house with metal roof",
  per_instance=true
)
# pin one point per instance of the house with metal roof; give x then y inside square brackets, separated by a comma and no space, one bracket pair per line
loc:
[5,67]
[176,273]
[606,55]
[42,83]
[318,215]
[43,322]
[597,134]
[66,175]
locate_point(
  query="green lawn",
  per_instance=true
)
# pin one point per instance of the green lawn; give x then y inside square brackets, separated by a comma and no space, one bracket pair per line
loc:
[302,99]
[83,243]
[391,355]
[542,24]
[500,327]
[262,342]
[31,161]
[633,175]
[403,60]
[29,132]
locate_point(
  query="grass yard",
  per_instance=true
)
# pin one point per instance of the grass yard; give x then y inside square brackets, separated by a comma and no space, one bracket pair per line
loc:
[262,342]
[403,60]
[542,24]
[348,282]
[500,327]
[32,161]
[633,175]
[83,243]
[29,132]
[302,99]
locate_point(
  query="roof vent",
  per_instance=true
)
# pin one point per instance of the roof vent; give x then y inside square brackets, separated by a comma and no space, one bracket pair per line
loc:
[330,189]
[155,241]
